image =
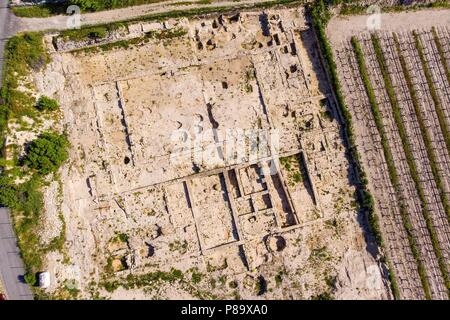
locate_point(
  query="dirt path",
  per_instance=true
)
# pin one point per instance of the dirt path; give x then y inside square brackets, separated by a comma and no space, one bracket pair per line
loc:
[60,22]
[341,28]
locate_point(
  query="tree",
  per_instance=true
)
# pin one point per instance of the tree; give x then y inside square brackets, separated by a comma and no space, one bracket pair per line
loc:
[47,153]
[8,192]
[47,104]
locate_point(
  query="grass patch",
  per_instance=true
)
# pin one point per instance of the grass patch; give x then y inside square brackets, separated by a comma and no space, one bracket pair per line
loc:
[279,277]
[120,238]
[24,53]
[196,277]
[182,3]
[91,33]
[151,279]
[47,104]
[39,11]
[180,246]
[100,5]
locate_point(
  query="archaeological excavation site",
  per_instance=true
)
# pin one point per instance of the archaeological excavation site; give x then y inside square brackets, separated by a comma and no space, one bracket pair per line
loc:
[270,152]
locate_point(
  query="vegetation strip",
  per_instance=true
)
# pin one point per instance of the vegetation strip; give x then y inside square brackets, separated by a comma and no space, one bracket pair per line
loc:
[390,162]
[437,103]
[51,9]
[396,113]
[39,11]
[433,161]
[441,53]
[320,18]
[26,52]
[357,9]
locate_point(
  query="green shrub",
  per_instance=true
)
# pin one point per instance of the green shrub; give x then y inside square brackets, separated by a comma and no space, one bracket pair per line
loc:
[260,286]
[24,197]
[30,278]
[8,192]
[196,277]
[96,32]
[323,296]
[47,104]
[47,153]
[111,286]
[279,278]
[41,11]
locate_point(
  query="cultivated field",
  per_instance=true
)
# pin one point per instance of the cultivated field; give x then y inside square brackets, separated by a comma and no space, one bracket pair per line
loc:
[396,83]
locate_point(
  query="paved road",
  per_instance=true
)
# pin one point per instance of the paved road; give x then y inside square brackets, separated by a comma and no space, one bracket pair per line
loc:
[11,265]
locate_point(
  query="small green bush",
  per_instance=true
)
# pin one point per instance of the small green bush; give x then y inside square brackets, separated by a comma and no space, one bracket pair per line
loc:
[47,153]
[279,278]
[196,277]
[47,104]
[24,197]
[41,11]
[323,296]
[30,278]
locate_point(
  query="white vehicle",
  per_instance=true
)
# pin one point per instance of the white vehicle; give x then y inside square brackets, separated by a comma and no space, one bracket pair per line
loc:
[44,280]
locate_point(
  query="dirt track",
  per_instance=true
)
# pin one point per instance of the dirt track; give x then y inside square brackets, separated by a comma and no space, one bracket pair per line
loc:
[60,22]
[341,28]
